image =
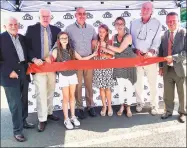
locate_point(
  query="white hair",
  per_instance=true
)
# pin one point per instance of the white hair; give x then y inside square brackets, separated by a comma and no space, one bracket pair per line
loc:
[7,19]
[44,9]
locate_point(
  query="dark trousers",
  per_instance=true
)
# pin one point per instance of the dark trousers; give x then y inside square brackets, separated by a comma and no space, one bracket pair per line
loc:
[170,80]
[17,98]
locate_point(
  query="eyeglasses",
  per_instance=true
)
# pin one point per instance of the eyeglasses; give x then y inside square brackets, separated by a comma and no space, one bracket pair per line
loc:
[45,16]
[142,35]
[63,38]
[81,14]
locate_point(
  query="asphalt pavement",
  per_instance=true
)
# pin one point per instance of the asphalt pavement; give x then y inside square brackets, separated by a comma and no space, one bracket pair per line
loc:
[142,130]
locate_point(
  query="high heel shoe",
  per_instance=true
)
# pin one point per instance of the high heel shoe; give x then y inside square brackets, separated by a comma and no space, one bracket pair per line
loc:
[120,112]
[103,111]
[110,113]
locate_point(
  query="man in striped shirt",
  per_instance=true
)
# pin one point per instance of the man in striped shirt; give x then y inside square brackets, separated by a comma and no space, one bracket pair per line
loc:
[81,35]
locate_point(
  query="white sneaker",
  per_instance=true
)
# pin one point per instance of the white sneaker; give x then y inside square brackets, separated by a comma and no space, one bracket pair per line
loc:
[75,121]
[68,124]
[139,107]
[154,111]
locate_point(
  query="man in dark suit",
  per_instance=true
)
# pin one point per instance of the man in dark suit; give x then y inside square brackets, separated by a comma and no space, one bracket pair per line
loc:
[41,37]
[13,77]
[173,47]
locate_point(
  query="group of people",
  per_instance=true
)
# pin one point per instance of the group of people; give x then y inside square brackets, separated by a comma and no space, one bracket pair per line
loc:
[47,43]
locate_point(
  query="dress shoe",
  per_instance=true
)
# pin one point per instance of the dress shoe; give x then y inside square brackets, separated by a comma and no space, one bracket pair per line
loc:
[28,125]
[92,112]
[182,118]
[20,138]
[166,115]
[53,117]
[41,126]
[81,114]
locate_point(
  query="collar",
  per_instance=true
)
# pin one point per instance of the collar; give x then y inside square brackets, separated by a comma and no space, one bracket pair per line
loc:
[174,31]
[147,21]
[15,37]
[44,27]
[79,26]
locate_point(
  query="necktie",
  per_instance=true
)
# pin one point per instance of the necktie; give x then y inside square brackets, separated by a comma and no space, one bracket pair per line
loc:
[46,43]
[170,43]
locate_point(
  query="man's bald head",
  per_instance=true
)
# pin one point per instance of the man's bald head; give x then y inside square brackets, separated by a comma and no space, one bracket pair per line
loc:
[147,9]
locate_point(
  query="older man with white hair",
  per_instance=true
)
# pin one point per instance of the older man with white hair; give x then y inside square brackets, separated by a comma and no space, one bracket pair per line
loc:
[146,38]
[13,77]
[41,38]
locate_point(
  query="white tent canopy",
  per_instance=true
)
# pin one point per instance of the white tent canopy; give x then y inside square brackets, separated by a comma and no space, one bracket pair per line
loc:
[32,6]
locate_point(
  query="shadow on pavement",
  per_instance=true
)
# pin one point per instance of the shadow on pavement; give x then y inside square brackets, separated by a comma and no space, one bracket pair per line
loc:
[55,132]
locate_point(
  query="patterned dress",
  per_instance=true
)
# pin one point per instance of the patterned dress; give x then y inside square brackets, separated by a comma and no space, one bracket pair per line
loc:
[103,78]
[126,73]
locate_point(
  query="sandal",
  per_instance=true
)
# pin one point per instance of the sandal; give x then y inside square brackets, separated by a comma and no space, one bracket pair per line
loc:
[103,111]
[110,113]
[129,113]
[120,112]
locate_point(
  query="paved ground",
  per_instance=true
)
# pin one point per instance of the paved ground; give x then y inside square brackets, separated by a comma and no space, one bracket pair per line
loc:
[142,130]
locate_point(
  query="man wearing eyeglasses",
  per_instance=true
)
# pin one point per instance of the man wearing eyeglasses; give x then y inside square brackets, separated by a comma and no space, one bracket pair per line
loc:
[146,38]
[173,47]
[81,36]
[41,38]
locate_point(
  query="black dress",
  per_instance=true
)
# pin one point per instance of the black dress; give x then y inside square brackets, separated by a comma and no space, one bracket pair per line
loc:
[126,73]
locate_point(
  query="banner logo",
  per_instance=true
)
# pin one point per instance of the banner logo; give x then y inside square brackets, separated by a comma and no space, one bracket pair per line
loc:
[59,24]
[89,15]
[107,15]
[27,17]
[162,12]
[126,14]
[68,16]
[97,23]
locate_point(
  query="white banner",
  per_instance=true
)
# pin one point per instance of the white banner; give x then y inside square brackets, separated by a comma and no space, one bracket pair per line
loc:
[95,18]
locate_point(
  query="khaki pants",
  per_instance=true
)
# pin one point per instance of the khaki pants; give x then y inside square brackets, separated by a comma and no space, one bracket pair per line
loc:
[152,73]
[170,79]
[45,87]
[88,76]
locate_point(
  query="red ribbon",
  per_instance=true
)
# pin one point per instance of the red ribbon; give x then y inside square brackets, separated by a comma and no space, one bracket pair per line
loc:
[93,64]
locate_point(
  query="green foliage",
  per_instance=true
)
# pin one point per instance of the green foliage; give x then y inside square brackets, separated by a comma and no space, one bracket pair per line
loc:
[183,14]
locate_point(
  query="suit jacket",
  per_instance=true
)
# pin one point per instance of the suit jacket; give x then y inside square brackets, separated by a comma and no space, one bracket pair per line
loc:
[178,52]
[33,35]
[10,60]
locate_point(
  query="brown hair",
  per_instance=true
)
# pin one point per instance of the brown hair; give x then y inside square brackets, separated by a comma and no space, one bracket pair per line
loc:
[121,19]
[68,47]
[107,30]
